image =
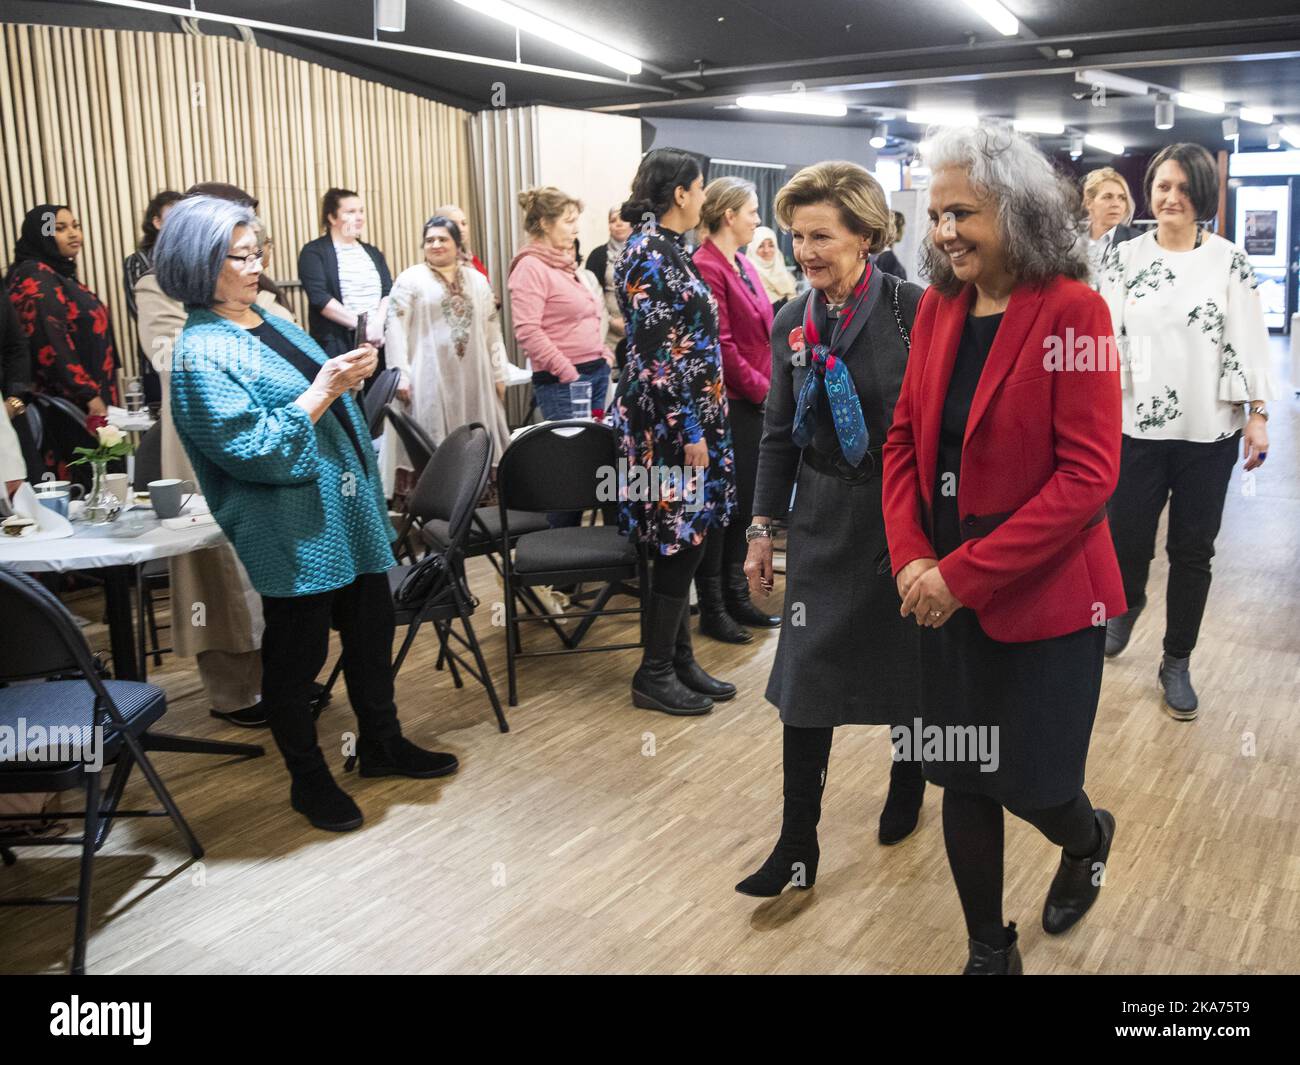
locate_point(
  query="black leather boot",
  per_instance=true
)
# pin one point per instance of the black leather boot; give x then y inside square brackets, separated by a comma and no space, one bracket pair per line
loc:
[399,757]
[902,808]
[318,798]
[692,674]
[989,961]
[655,686]
[794,859]
[1078,881]
[714,619]
[739,605]
[1176,682]
[1119,630]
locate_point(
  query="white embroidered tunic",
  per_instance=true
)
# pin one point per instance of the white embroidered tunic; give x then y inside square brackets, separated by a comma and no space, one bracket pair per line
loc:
[1192,337]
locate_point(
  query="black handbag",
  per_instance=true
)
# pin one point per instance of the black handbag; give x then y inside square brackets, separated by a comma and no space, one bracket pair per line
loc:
[426,578]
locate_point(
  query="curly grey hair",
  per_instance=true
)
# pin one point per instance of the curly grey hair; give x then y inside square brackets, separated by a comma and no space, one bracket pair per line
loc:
[1037,207]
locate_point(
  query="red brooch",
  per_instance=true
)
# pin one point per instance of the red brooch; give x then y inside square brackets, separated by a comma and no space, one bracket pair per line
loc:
[795,339]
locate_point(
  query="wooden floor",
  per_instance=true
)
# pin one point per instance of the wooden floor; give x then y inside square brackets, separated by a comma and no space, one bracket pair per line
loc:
[595,837]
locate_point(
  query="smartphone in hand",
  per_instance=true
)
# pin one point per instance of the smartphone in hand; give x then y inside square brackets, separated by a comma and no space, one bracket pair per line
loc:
[359,334]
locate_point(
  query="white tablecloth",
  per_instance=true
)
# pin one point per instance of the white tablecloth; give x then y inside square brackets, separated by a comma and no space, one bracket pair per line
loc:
[137,536]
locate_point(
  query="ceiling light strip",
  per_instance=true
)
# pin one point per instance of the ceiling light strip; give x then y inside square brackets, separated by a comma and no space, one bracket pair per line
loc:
[389,46]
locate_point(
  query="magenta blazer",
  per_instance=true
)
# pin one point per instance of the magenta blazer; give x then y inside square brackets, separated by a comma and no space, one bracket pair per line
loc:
[744,323]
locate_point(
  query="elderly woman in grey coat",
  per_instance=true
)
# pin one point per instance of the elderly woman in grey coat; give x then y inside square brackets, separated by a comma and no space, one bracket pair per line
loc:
[845,655]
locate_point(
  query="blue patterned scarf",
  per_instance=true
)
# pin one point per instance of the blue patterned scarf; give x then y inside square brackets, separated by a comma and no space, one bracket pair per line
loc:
[829,380]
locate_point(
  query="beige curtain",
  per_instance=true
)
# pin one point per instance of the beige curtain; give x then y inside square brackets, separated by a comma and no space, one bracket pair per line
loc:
[101,120]
[506,161]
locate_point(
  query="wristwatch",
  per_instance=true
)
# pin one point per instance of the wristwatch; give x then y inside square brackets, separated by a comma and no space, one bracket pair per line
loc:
[758,532]
[1260,411]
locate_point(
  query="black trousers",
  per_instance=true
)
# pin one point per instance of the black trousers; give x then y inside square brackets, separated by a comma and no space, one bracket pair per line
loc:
[294,648]
[726,546]
[1193,478]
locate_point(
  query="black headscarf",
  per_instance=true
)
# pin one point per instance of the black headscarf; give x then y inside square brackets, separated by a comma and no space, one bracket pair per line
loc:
[34,245]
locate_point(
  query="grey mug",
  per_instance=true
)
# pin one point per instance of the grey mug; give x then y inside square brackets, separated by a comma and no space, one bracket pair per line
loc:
[166,496]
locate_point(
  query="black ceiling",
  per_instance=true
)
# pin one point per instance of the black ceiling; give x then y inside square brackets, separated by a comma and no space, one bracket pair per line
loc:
[1245,53]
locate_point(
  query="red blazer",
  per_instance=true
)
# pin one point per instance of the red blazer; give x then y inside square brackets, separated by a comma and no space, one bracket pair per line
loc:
[1041,450]
[744,323]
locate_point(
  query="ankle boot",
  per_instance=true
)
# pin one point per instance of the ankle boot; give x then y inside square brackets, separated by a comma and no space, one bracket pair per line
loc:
[1176,682]
[318,798]
[399,757]
[794,859]
[996,961]
[1078,881]
[1119,630]
[714,619]
[655,686]
[692,674]
[739,605]
[902,808]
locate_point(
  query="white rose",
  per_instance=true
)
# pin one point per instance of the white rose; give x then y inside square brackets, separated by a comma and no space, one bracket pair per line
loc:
[110,435]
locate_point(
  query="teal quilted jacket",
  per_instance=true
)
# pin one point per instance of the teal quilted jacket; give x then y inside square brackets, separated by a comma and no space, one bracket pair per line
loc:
[304,511]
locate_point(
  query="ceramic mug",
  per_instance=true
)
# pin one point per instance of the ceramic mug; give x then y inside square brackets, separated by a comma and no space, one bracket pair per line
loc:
[120,485]
[75,491]
[166,496]
[55,501]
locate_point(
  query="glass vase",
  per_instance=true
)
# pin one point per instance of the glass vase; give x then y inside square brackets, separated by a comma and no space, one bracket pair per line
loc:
[102,506]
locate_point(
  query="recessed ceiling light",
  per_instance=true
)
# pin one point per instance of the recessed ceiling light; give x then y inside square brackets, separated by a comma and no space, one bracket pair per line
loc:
[1113,82]
[1103,143]
[556,34]
[996,16]
[1196,102]
[798,103]
[1261,116]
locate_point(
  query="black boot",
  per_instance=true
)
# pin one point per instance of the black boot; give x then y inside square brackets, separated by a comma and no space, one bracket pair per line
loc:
[1119,630]
[739,605]
[1176,682]
[714,619]
[318,798]
[399,757]
[1000,961]
[794,860]
[902,808]
[1078,881]
[692,674]
[655,685]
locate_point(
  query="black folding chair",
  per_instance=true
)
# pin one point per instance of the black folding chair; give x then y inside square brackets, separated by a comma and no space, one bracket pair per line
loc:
[378,396]
[562,466]
[452,482]
[418,444]
[88,715]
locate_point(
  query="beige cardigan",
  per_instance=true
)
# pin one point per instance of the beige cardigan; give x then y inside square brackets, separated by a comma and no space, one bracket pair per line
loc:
[213,579]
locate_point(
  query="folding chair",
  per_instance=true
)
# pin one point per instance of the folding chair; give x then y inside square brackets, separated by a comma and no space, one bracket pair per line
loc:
[561,466]
[450,485]
[377,398]
[43,641]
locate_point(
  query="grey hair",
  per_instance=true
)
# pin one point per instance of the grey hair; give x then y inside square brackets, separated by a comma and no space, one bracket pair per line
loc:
[193,245]
[1037,207]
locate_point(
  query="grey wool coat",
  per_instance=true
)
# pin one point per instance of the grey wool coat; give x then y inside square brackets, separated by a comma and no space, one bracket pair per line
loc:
[845,656]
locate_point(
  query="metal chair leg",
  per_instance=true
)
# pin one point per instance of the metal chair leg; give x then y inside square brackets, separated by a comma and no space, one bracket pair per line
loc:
[164,796]
[483,672]
[90,833]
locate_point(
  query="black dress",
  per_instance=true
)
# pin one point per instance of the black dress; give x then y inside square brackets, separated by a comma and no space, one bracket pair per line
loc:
[1040,696]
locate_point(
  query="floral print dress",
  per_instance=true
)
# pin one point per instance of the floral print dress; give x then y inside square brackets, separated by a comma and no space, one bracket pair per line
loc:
[71,342]
[671,395]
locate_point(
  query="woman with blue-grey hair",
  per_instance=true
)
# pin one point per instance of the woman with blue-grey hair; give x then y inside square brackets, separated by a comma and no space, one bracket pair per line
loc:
[282,453]
[1003,452]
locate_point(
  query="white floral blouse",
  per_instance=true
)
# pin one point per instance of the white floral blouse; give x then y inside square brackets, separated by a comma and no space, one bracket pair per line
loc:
[1191,332]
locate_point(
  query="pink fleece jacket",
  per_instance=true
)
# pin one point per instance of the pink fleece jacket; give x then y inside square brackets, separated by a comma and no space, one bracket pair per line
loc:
[556,318]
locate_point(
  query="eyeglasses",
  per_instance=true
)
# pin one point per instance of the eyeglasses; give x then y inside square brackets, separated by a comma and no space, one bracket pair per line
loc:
[247,262]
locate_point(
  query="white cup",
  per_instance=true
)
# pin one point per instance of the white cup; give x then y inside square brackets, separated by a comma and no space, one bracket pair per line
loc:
[75,491]
[119,485]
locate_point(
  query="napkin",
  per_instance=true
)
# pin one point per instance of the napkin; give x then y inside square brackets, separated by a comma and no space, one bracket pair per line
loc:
[49,525]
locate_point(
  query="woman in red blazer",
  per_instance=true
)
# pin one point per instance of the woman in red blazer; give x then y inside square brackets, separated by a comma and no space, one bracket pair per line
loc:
[1003,452]
[729,218]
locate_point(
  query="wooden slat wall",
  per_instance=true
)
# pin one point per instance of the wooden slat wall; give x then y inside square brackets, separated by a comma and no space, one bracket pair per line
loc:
[101,120]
